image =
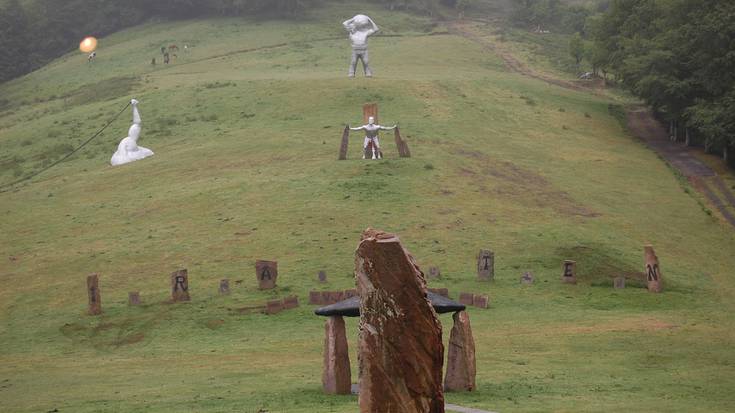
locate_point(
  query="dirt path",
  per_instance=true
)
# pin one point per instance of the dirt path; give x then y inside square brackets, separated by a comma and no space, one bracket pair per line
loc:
[644,126]
[464,29]
[640,122]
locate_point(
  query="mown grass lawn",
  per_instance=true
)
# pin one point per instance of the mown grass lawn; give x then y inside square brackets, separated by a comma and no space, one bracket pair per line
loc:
[246,131]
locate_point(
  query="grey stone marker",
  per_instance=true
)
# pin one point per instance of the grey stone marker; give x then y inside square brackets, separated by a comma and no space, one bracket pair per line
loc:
[434,272]
[93,292]
[527,278]
[322,276]
[224,286]
[569,272]
[267,273]
[134,298]
[619,282]
[486,265]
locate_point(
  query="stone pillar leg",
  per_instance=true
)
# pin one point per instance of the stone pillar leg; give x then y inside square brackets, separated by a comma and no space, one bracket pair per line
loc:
[461,367]
[336,377]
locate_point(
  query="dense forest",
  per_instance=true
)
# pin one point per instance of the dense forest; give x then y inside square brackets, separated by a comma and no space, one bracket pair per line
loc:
[676,55]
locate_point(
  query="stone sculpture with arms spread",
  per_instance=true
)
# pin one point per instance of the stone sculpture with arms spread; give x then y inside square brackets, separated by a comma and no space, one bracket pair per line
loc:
[371,136]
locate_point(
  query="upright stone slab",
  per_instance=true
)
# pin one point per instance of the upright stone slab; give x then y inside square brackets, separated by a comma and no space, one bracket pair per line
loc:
[134,298]
[569,272]
[653,270]
[402,145]
[322,276]
[224,286]
[466,298]
[273,307]
[434,272]
[180,286]
[400,347]
[444,292]
[336,377]
[345,144]
[486,265]
[481,301]
[461,364]
[527,278]
[291,302]
[370,110]
[93,293]
[619,283]
[266,272]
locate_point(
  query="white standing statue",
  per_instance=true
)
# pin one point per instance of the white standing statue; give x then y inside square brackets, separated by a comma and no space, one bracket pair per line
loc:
[128,149]
[360,28]
[371,136]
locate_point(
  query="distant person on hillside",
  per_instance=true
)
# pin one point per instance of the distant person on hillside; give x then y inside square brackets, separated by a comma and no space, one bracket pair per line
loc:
[371,136]
[165,58]
[360,28]
[163,49]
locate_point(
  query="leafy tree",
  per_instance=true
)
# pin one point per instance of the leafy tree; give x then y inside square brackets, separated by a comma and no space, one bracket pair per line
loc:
[576,48]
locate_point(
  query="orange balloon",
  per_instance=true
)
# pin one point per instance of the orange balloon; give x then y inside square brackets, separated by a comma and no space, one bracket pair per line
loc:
[88,45]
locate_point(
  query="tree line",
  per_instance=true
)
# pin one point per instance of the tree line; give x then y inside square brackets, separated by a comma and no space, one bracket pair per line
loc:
[679,56]
[676,55]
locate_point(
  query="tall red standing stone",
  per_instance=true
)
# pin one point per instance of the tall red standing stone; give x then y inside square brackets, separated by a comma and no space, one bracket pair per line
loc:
[400,347]
[93,291]
[653,270]
[180,286]
[267,273]
[461,365]
[336,378]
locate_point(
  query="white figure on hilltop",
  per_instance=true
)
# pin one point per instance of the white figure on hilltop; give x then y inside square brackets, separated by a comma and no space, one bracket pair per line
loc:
[371,135]
[128,149]
[360,28]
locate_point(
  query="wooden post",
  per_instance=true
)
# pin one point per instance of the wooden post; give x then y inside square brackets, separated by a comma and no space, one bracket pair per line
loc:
[653,270]
[93,291]
[368,110]
[345,144]
[403,150]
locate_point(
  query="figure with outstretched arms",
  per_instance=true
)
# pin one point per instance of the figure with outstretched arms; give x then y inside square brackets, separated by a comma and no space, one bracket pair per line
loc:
[360,28]
[371,136]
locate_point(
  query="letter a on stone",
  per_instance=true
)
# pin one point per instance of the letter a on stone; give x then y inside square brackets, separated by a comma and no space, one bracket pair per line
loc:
[400,348]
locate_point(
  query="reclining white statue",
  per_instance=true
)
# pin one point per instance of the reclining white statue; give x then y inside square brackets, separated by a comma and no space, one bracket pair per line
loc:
[128,149]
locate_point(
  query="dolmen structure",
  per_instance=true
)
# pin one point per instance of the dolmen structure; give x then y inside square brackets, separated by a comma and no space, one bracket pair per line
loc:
[400,353]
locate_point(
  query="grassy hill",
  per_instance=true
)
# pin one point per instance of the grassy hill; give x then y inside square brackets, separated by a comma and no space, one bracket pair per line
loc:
[246,130]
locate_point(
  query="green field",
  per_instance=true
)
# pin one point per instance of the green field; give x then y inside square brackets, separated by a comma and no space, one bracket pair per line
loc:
[246,129]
